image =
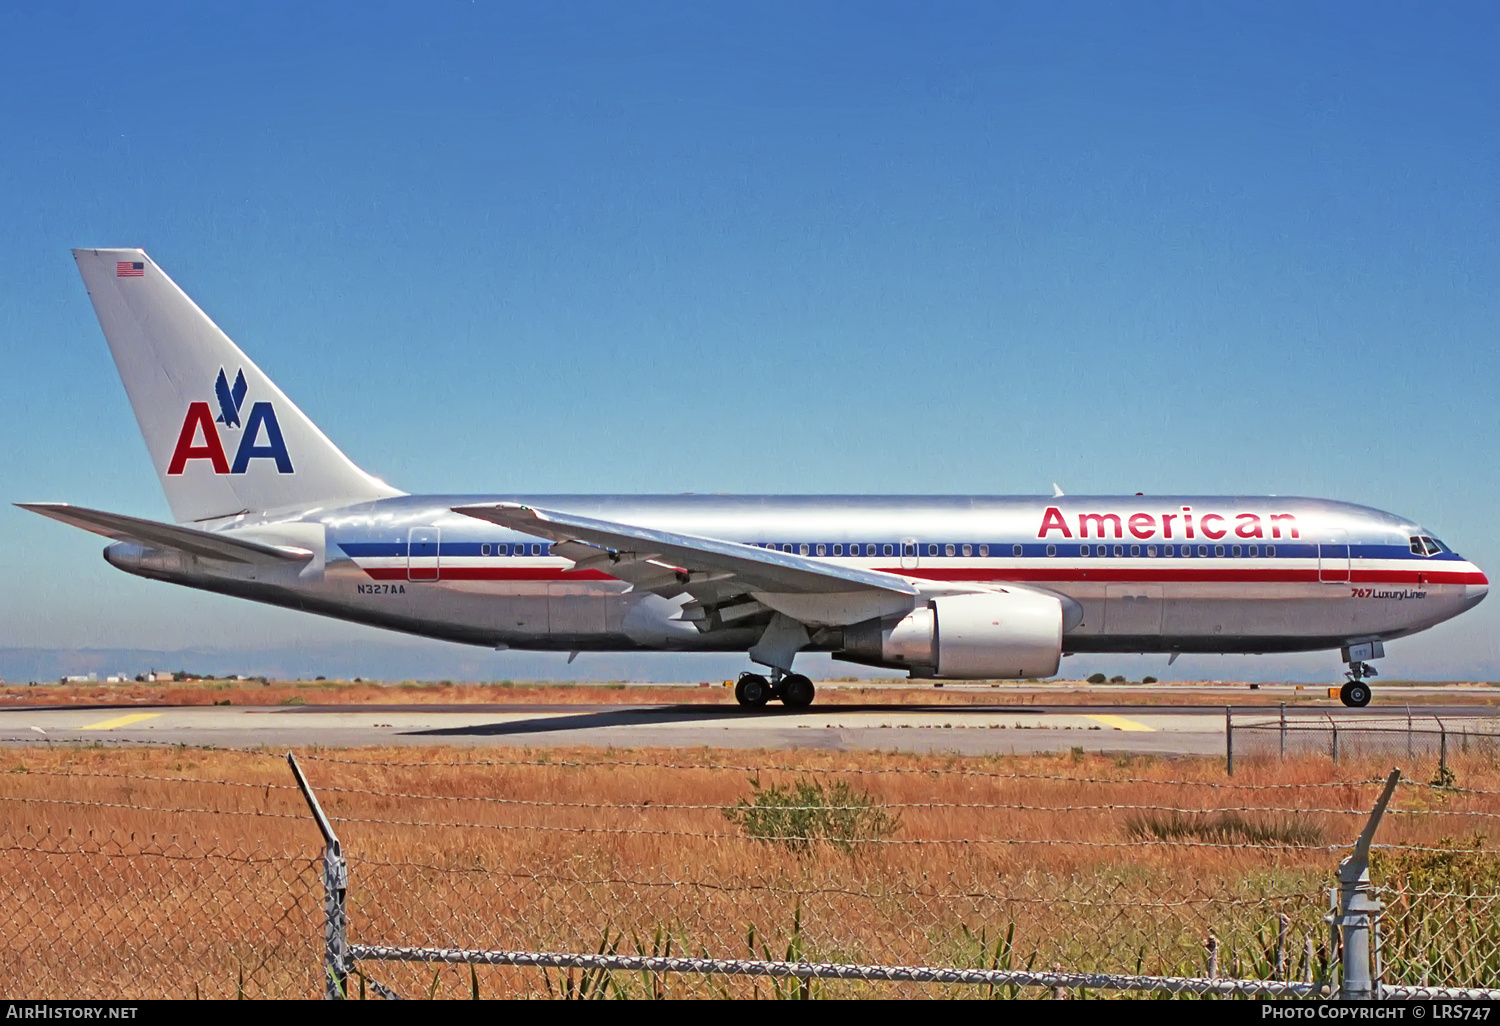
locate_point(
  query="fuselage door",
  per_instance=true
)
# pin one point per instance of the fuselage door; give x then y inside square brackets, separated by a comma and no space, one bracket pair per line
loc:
[909,557]
[422,553]
[1333,557]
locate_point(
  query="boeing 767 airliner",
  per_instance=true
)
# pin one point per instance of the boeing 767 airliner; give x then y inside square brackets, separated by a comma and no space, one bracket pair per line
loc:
[955,587]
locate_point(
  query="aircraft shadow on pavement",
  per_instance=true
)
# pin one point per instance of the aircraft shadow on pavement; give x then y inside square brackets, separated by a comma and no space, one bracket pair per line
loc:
[588,721]
[678,714]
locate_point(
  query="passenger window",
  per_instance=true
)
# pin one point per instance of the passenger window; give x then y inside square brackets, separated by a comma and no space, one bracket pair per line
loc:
[1235,551]
[1202,550]
[984,550]
[838,550]
[932,550]
[1015,550]
[786,547]
[1255,550]
[887,549]
[1051,550]
[1119,550]
[1169,551]
[1150,550]
[1135,550]
[802,549]
[1218,550]
[1083,550]
[908,548]
[822,549]
[968,550]
[1270,550]
[484,550]
[948,550]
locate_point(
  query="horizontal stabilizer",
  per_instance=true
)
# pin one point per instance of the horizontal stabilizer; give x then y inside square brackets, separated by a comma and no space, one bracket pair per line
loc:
[151,533]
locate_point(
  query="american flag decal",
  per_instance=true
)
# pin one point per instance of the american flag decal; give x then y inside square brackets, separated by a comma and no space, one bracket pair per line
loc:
[130,269]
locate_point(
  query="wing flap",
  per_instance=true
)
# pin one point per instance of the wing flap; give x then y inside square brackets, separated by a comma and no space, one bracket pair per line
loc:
[152,533]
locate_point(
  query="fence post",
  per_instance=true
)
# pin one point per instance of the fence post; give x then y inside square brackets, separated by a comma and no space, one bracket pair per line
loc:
[335,891]
[1442,751]
[1334,744]
[1283,730]
[1357,909]
[1229,739]
[1283,932]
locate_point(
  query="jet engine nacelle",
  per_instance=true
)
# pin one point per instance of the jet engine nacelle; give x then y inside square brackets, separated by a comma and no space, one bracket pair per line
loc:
[1013,633]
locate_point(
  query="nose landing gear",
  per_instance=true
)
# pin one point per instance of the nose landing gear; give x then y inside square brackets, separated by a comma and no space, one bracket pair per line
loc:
[1356,693]
[753,691]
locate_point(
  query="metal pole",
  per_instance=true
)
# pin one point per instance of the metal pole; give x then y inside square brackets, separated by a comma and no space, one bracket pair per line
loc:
[1442,752]
[1408,733]
[335,892]
[1334,744]
[1283,730]
[1357,908]
[1229,739]
[1283,930]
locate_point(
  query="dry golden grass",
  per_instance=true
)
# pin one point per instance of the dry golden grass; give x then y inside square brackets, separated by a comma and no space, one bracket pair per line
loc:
[158,871]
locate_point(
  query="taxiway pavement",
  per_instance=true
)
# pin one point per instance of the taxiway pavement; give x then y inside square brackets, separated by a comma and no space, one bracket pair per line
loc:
[969,730]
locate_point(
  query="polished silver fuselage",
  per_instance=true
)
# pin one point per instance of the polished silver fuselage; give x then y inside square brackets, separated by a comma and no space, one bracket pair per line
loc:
[1260,574]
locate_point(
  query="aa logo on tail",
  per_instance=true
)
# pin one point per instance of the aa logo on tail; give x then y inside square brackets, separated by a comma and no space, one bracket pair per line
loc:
[200,439]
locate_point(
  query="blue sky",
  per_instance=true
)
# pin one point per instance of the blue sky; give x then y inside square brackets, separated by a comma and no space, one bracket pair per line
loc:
[796,248]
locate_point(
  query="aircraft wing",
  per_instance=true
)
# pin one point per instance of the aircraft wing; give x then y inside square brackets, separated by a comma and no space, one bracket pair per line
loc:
[619,549]
[196,542]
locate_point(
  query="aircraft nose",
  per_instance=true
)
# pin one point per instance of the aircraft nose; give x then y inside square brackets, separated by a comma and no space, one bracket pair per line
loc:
[1474,592]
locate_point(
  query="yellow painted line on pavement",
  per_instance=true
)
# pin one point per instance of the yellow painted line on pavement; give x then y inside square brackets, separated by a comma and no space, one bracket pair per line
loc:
[120,721]
[1121,723]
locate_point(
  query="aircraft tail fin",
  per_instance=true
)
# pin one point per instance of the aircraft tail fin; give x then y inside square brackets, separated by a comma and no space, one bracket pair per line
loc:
[223,438]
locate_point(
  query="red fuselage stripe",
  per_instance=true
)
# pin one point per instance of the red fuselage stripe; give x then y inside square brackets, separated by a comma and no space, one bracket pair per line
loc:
[1039,574]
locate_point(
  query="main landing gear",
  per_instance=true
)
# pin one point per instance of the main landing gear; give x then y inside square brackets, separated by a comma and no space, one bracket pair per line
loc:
[753,691]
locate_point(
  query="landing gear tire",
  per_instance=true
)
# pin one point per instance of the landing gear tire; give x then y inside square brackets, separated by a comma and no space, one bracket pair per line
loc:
[797,692]
[1355,694]
[752,691]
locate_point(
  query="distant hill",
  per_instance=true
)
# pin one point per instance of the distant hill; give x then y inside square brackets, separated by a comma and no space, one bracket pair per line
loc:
[391,661]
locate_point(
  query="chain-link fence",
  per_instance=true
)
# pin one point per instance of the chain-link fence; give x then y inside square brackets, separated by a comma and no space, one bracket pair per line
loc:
[1426,745]
[655,874]
[120,916]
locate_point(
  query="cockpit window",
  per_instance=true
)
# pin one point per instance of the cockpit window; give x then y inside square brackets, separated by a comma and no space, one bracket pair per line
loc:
[1423,545]
[1417,548]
